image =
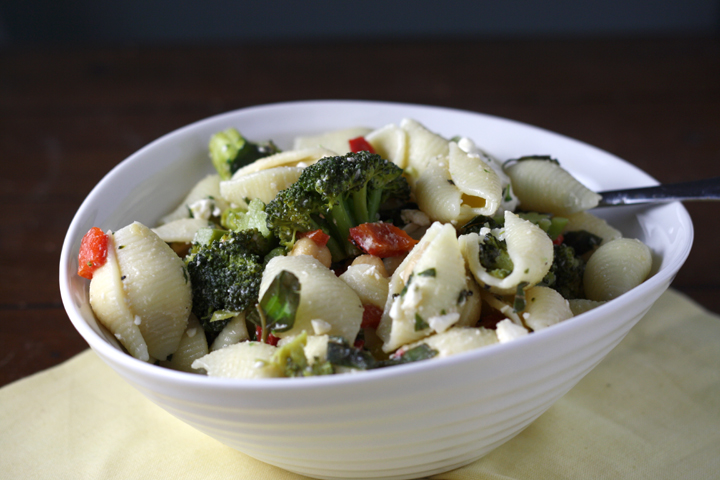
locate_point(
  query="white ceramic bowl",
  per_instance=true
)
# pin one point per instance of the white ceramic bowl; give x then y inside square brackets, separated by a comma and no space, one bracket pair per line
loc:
[402,422]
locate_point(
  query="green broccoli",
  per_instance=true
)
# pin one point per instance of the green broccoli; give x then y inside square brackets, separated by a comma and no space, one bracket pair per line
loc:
[225,269]
[494,256]
[480,221]
[230,151]
[254,216]
[582,241]
[336,194]
[493,253]
[566,272]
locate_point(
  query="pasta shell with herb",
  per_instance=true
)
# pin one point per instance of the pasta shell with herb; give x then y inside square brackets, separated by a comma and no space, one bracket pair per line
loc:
[234,332]
[241,360]
[263,184]
[457,340]
[427,291]
[193,345]
[107,299]
[458,187]
[544,307]
[544,186]
[337,140]
[182,230]
[290,158]
[156,285]
[423,145]
[321,292]
[391,143]
[370,286]
[529,249]
[206,189]
[616,268]
[436,194]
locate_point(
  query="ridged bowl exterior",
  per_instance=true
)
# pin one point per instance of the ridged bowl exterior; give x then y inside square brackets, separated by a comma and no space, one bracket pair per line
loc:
[402,422]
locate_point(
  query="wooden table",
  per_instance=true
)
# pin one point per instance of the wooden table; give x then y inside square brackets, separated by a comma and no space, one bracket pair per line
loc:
[67,116]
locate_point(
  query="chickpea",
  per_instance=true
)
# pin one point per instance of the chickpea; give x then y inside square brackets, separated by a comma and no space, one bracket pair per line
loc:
[372,260]
[305,246]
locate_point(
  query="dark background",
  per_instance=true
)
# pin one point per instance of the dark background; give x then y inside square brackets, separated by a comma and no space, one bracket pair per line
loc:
[84,84]
[146,22]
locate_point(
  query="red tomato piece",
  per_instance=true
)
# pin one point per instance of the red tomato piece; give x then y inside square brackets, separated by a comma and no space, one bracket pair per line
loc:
[359,144]
[558,240]
[318,236]
[271,339]
[371,316]
[381,239]
[93,252]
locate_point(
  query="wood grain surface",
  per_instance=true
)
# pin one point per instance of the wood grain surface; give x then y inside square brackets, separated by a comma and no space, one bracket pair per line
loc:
[67,116]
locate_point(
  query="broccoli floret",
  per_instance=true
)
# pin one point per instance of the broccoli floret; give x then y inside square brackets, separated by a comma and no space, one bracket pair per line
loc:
[582,241]
[493,253]
[482,221]
[236,218]
[566,272]
[550,224]
[230,151]
[494,256]
[336,194]
[225,269]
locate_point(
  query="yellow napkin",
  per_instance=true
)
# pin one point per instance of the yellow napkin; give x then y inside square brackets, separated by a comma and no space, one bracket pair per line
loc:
[650,410]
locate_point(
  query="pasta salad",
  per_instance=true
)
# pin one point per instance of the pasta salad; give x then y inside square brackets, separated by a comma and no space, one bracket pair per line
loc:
[354,250]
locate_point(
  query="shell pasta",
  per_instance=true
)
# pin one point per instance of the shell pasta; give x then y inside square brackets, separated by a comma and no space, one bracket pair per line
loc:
[356,249]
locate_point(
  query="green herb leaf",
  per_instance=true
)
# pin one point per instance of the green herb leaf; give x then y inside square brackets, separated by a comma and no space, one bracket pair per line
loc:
[421,352]
[430,272]
[407,285]
[520,302]
[280,301]
[463,296]
[420,324]
[341,354]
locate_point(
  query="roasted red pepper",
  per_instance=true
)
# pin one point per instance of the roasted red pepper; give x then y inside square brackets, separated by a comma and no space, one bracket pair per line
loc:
[359,144]
[271,339]
[93,252]
[318,236]
[371,316]
[381,239]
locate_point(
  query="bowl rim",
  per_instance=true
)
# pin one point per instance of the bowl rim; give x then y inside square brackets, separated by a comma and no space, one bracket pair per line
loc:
[125,361]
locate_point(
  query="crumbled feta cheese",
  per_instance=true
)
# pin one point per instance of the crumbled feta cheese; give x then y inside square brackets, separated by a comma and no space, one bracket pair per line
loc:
[320,327]
[440,323]
[508,330]
[418,217]
[412,298]
[137,320]
[204,209]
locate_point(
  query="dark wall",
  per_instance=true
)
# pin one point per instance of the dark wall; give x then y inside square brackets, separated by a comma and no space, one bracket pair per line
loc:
[31,22]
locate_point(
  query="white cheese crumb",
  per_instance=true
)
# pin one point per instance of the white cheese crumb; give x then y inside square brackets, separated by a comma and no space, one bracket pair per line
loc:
[191,332]
[417,217]
[507,330]
[320,327]
[440,323]
[204,208]
[137,320]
